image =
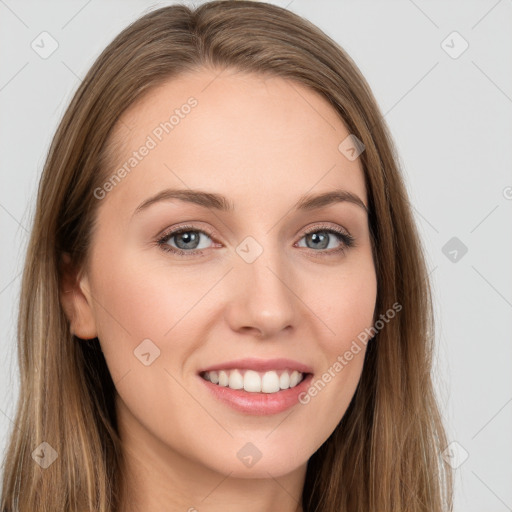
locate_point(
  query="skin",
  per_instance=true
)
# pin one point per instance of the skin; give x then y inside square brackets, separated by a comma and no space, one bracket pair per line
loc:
[261,142]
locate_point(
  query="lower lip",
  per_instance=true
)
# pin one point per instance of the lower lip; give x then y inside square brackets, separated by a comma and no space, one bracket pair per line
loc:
[259,403]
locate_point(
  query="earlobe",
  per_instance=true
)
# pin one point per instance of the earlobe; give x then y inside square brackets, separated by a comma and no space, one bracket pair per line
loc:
[76,300]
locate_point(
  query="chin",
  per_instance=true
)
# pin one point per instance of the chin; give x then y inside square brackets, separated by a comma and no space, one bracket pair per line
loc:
[245,459]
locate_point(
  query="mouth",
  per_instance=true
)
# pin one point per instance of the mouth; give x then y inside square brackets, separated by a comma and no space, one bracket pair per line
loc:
[258,387]
[253,381]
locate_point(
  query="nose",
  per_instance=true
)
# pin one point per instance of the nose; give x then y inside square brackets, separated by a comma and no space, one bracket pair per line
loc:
[262,299]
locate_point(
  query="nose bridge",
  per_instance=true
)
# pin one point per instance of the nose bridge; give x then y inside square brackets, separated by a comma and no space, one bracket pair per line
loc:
[263,298]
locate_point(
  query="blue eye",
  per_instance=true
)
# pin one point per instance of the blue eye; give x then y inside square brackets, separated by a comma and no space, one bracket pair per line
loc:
[321,238]
[187,240]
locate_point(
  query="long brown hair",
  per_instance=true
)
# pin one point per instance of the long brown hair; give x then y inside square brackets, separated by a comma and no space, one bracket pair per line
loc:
[385,453]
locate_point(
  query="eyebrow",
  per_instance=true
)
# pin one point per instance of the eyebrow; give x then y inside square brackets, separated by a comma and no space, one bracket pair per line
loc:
[222,203]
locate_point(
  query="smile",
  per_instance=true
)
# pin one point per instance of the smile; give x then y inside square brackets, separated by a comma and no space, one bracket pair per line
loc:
[255,382]
[257,386]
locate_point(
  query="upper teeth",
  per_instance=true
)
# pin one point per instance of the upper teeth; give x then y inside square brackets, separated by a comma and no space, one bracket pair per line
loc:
[255,382]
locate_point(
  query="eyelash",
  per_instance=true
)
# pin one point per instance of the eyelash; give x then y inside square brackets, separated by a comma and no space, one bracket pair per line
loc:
[347,240]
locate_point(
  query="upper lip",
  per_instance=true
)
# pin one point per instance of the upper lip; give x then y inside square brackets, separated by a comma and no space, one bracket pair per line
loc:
[260,365]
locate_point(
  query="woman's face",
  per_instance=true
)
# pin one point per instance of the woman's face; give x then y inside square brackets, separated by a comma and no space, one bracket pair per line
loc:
[255,287]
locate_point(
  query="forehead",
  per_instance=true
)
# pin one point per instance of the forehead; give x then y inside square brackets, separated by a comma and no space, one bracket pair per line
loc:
[250,136]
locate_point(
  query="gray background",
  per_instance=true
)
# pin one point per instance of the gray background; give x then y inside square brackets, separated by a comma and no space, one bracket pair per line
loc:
[451,119]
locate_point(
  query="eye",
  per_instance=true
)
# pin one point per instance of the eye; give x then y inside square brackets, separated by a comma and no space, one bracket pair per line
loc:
[186,240]
[320,237]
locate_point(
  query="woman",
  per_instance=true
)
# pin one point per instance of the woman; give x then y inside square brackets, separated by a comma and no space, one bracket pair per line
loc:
[225,303]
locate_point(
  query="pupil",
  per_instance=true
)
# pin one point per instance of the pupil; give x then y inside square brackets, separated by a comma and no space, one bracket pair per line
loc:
[319,238]
[187,235]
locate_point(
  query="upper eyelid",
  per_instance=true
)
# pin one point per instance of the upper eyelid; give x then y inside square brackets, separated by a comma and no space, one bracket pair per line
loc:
[170,232]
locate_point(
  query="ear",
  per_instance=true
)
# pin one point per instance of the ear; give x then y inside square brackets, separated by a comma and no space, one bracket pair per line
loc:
[76,300]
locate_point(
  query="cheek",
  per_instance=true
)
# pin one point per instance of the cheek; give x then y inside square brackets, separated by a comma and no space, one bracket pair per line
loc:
[347,308]
[345,303]
[135,303]
[146,324]
[354,306]
[141,295]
